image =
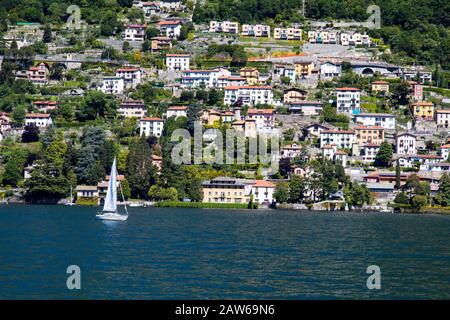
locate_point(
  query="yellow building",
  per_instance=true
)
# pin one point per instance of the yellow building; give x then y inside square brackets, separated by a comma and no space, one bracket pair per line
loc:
[369,134]
[227,190]
[210,117]
[251,75]
[380,86]
[304,68]
[423,110]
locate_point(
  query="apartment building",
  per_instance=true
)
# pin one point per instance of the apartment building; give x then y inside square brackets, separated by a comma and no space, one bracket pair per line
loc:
[405,143]
[330,70]
[131,76]
[206,78]
[348,100]
[386,121]
[323,37]
[257,30]
[294,95]
[170,28]
[135,32]
[223,27]
[176,111]
[226,81]
[151,127]
[160,43]
[342,139]
[227,190]
[248,95]
[251,75]
[443,118]
[41,120]
[38,75]
[369,134]
[177,61]
[303,69]
[354,39]
[264,119]
[132,109]
[423,110]
[112,85]
[287,34]
[369,151]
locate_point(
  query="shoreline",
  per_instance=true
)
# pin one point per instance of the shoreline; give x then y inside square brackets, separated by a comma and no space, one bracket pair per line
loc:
[200,205]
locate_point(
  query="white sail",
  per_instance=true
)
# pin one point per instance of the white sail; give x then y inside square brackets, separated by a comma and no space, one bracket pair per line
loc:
[111,194]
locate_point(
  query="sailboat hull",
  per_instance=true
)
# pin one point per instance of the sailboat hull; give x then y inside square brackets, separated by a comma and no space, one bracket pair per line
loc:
[111,216]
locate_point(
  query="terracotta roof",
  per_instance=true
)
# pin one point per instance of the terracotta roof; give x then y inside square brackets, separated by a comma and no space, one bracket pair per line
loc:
[120,177]
[261,111]
[369,128]
[37,115]
[445,146]
[423,103]
[339,131]
[46,102]
[443,111]
[156,158]
[178,55]
[347,89]
[127,69]
[371,145]
[151,119]
[375,115]
[161,23]
[248,87]
[177,108]
[264,184]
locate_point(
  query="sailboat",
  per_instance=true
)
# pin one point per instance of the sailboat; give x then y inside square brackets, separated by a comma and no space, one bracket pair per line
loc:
[71,203]
[109,211]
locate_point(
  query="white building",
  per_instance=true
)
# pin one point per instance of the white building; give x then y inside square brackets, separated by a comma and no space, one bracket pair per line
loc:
[132,77]
[223,26]
[257,30]
[171,5]
[207,78]
[354,39]
[387,121]
[263,192]
[323,36]
[348,100]
[112,85]
[170,29]
[132,109]
[442,118]
[249,95]
[135,32]
[287,34]
[149,8]
[151,127]
[226,81]
[176,111]
[339,138]
[330,70]
[291,151]
[41,120]
[176,61]
[369,151]
[264,119]
[406,144]
[445,151]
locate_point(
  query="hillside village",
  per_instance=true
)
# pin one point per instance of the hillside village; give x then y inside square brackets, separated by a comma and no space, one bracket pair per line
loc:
[359,127]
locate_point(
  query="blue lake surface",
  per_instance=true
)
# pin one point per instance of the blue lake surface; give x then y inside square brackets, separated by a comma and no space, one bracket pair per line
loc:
[162,253]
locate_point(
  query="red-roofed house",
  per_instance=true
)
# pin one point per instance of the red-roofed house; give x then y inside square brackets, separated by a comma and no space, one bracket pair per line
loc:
[176,111]
[45,106]
[263,192]
[170,28]
[177,61]
[131,76]
[41,120]
[135,32]
[264,118]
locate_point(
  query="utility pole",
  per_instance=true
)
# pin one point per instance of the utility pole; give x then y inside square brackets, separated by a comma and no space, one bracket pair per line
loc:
[303,9]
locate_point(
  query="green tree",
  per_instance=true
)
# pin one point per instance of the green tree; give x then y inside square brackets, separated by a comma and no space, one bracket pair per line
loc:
[384,155]
[140,172]
[397,176]
[296,188]
[281,193]
[30,133]
[47,38]
[401,198]
[418,202]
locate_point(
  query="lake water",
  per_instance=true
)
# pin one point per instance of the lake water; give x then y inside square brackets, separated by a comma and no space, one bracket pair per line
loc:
[221,254]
